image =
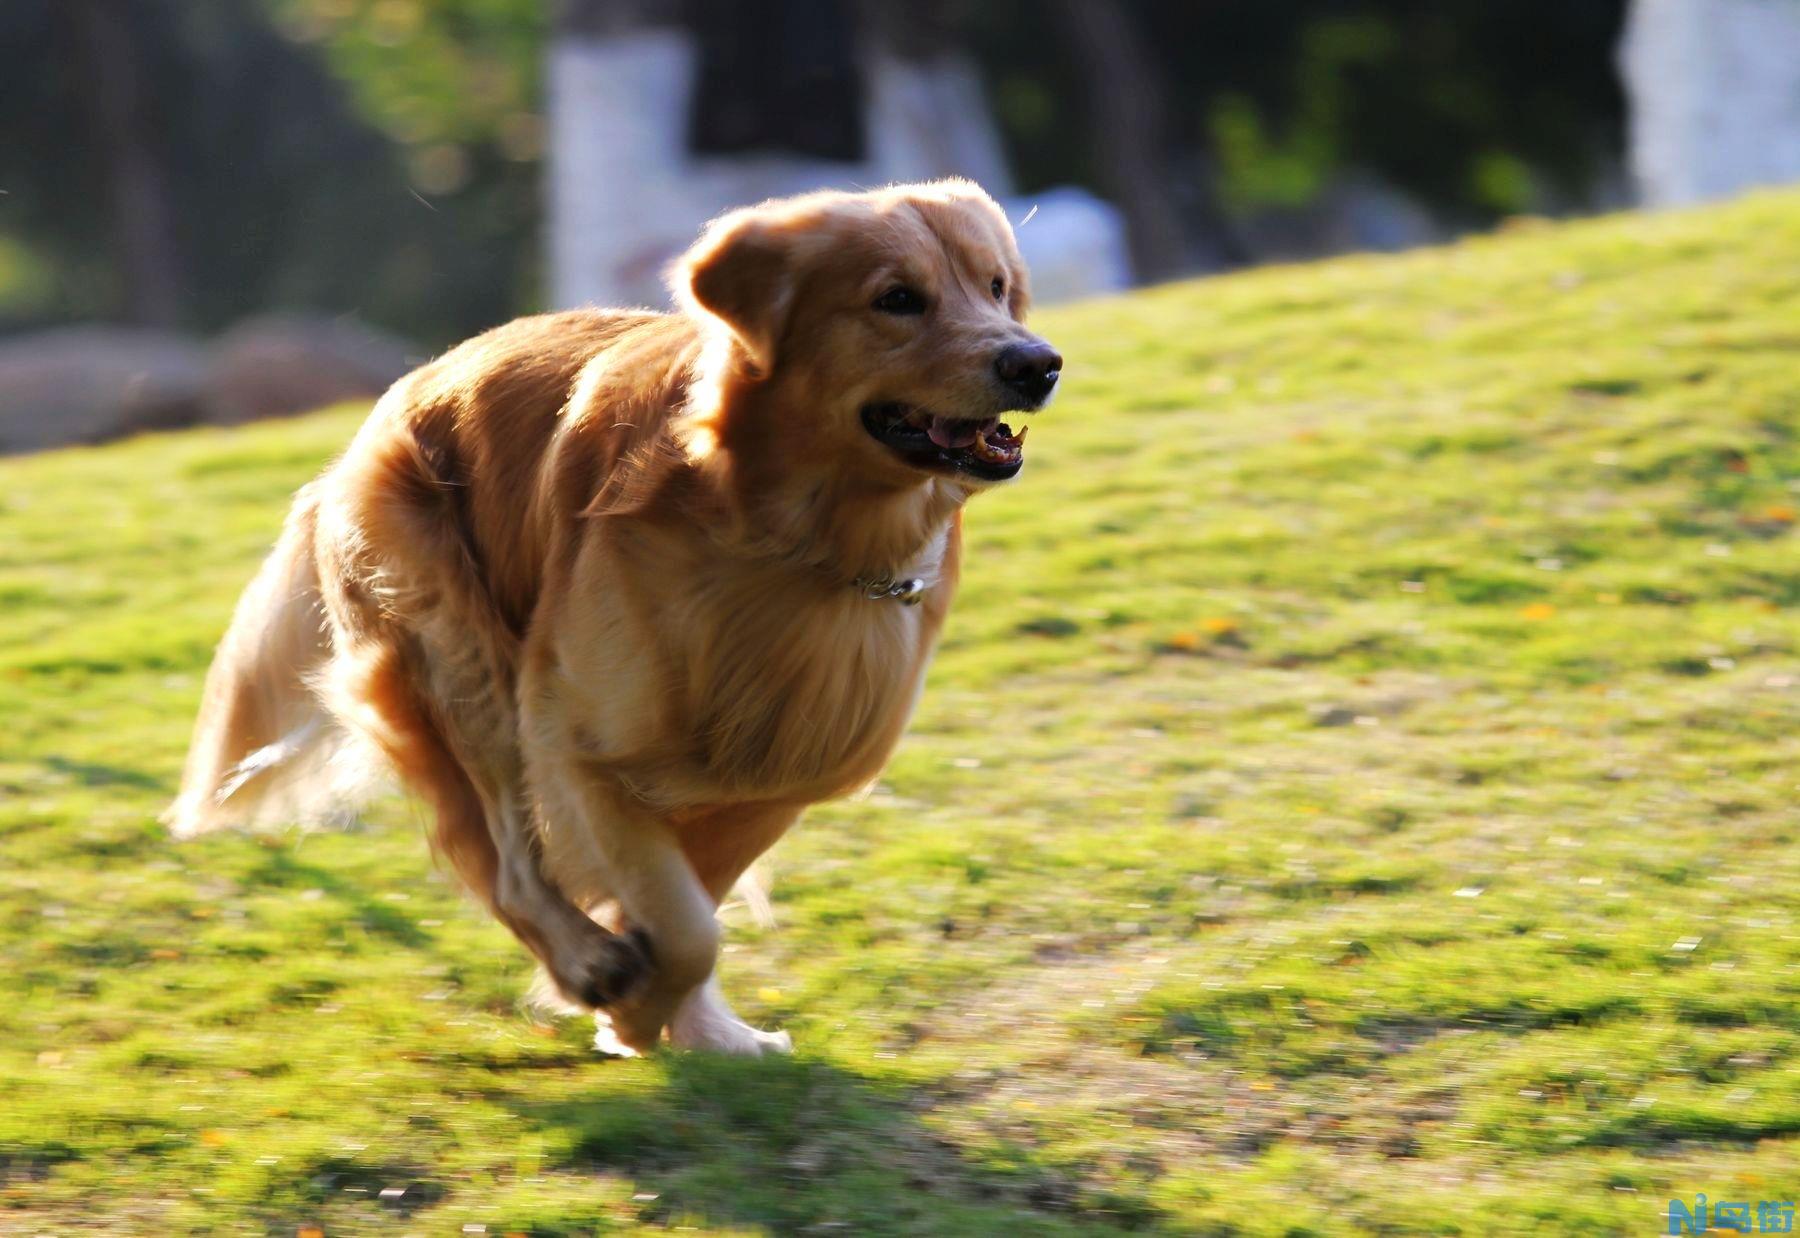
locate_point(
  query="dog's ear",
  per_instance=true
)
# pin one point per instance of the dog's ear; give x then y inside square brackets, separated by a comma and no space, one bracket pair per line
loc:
[740,272]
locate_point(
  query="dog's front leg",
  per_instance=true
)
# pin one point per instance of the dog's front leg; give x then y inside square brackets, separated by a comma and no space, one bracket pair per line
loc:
[593,825]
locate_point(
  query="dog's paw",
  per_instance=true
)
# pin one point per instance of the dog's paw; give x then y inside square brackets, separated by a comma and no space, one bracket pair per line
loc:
[731,1036]
[619,966]
[767,1043]
[740,1041]
[606,1038]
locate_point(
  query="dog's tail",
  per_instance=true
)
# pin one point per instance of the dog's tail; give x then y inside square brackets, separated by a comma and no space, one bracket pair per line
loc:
[264,745]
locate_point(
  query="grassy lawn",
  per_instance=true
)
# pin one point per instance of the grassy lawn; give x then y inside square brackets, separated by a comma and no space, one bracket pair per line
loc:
[1357,792]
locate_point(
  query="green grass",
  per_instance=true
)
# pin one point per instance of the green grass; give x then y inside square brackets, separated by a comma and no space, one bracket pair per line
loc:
[1356,792]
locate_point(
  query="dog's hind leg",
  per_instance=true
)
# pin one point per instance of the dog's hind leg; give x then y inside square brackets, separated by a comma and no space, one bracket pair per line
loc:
[425,669]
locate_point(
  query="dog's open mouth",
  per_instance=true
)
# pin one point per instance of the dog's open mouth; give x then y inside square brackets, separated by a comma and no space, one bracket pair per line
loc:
[983,447]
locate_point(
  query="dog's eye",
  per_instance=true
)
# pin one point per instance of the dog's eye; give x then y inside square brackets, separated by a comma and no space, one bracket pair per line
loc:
[999,288]
[900,300]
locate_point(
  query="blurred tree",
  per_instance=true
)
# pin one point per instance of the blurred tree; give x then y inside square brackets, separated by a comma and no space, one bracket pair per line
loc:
[410,200]
[445,80]
[200,160]
[1127,102]
[143,222]
[1475,110]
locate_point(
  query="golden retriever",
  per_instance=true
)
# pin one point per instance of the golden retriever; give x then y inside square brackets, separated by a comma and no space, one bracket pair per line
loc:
[621,593]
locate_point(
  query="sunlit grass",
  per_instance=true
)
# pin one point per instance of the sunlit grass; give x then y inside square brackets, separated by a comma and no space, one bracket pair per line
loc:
[1357,790]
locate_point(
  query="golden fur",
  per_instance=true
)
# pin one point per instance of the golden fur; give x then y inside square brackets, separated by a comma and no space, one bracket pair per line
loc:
[585,581]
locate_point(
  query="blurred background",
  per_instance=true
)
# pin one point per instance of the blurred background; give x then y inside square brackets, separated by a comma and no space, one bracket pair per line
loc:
[212,210]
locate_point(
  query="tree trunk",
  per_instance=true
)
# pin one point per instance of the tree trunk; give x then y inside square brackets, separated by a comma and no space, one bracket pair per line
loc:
[1125,99]
[143,219]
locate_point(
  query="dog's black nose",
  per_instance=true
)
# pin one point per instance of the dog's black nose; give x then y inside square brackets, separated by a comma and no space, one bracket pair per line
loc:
[1029,369]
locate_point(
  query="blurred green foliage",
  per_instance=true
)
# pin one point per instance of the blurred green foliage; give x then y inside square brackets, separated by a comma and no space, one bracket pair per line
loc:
[373,158]
[1269,101]
[433,75]
[383,157]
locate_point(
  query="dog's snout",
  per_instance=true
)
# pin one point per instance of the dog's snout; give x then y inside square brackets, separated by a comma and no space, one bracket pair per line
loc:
[1029,369]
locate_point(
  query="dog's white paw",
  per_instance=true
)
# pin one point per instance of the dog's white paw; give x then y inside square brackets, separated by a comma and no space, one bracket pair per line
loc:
[713,1036]
[706,1021]
[606,1040]
[738,1039]
[775,1042]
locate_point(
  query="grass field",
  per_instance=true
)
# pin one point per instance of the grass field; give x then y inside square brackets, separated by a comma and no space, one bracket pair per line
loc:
[1357,792]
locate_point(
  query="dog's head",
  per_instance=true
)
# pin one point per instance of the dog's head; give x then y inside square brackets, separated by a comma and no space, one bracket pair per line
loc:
[881,332]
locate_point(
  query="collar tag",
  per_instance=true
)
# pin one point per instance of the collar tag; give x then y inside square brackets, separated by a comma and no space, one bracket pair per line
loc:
[907,592]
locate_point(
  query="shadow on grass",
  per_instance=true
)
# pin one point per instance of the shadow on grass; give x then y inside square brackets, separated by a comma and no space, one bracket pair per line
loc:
[94,774]
[798,1145]
[281,870]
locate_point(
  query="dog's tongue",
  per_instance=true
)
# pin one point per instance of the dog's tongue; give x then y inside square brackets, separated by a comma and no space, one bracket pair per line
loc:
[951,434]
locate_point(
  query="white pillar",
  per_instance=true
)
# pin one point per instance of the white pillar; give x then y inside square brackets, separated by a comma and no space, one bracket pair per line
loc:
[625,197]
[617,107]
[1714,91]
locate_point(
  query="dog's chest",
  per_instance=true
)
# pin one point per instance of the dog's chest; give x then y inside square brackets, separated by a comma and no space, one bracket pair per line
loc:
[806,699]
[699,680]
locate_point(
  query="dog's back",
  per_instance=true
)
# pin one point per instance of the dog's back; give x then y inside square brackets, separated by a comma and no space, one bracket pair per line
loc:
[464,438]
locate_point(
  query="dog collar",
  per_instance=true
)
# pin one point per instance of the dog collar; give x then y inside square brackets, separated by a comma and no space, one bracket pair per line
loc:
[908,591]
